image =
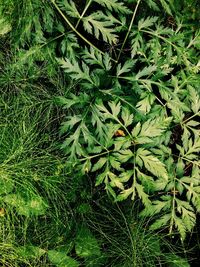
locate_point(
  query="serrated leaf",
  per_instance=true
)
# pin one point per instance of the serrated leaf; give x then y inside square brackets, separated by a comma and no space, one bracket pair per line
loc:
[124,155]
[61,100]
[156,207]
[151,163]
[115,163]
[145,104]
[166,6]
[115,108]
[161,222]
[145,72]
[70,8]
[99,164]
[93,57]
[136,130]
[128,65]
[114,5]
[146,23]
[150,129]
[126,117]
[195,99]
[142,195]
[115,181]
[99,24]
[136,43]
[179,224]
[147,181]
[124,194]
[74,69]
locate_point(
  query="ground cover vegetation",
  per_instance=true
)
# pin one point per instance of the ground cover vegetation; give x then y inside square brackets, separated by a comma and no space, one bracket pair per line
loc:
[99,133]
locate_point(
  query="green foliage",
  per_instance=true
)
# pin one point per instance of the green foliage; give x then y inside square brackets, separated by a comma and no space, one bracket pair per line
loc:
[86,245]
[121,80]
[60,259]
[4,26]
[30,252]
[121,125]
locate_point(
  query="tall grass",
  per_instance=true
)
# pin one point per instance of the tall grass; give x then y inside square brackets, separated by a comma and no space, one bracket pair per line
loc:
[31,172]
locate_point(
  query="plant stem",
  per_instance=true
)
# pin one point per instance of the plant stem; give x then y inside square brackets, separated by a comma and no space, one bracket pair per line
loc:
[186,120]
[75,30]
[95,156]
[173,210]
[129,29]
[83,13]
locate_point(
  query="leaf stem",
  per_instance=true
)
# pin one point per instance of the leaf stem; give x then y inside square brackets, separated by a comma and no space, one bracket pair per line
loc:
[95,156]
[194,115]
[134,174]
[75,30]
[129,29]
[188,160]
[83,13]
[173,210]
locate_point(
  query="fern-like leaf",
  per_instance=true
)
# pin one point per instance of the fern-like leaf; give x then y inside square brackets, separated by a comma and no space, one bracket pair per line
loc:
[76,72]
[101,26]
[114,5]
[151,163]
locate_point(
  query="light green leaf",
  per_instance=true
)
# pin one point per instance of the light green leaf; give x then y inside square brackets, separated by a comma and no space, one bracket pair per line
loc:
[161,222]
[176,261]
[128,65]
[126,116]
[86,244]
[70,8]
[145,72]
[114,5]
[99,24]
[195,99]
[124,194]
[115,108]
[151,163]
[30,252]
[145,104]
[146,23]
[74,69]
[100,163]
[115,163]
[5,26]
[115,181]
[142,195]
[60,259]
[124,155]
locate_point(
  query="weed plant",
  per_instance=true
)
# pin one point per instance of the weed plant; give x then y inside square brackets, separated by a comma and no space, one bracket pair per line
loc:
[99,132]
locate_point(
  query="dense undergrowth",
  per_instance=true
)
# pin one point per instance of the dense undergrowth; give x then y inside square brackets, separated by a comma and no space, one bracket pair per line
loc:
[99,133]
